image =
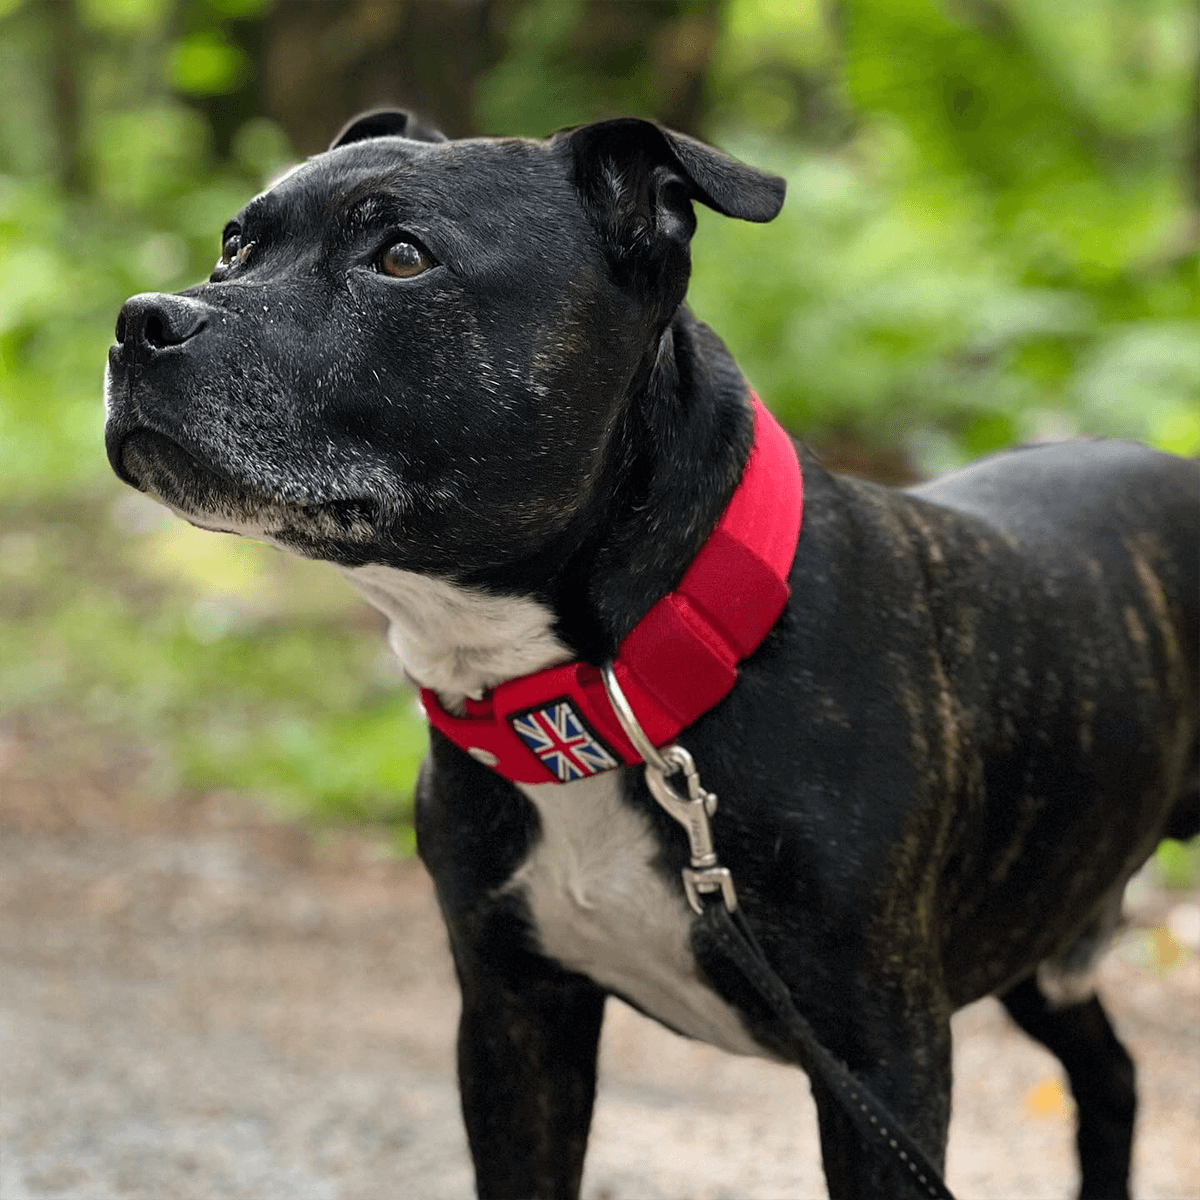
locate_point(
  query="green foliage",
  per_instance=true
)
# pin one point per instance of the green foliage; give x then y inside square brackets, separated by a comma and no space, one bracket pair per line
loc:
[993,252]
[939,335]
[225,662]
[205,64]
[231,662]
[1178,863]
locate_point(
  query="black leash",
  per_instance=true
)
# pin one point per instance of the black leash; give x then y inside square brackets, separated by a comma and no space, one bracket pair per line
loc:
[710,891]
[872,1118]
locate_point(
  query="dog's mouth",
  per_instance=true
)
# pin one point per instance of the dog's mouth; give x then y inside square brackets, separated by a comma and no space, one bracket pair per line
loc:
[213,498]
[145,458]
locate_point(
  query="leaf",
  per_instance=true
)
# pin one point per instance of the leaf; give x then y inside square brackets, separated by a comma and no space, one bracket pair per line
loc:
[205,64]
[1168,950]
[1049,1100]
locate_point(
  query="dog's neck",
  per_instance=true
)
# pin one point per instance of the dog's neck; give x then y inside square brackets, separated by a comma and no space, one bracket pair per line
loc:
[459,640]
[682,440]
[669,474]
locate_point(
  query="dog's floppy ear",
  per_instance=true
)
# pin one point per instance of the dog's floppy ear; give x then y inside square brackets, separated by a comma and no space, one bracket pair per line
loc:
[386,122]
[638,181]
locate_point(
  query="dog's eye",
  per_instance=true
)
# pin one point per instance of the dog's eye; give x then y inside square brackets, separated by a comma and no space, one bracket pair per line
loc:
[231,245]
[235,250]
[403,260]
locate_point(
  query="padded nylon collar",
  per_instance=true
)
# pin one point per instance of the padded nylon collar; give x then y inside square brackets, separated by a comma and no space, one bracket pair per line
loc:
[557,725]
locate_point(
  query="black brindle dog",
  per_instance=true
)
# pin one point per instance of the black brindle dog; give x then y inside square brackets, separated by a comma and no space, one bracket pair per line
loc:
[463,372]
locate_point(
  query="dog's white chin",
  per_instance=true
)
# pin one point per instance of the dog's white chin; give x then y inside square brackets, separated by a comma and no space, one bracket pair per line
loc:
[456,640]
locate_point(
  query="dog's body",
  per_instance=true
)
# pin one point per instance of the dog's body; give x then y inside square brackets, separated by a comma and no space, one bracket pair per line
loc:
[463,373]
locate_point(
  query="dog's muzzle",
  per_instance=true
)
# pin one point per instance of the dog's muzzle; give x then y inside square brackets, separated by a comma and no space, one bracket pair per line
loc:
[152,327]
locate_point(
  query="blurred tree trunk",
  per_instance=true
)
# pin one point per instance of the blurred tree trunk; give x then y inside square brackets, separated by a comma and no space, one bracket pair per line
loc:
[667,44]
[569,61]
[227,112]
[324,62]
[320,62]
[66,54]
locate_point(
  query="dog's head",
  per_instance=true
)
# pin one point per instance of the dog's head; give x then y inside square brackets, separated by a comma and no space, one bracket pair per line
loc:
[415,350]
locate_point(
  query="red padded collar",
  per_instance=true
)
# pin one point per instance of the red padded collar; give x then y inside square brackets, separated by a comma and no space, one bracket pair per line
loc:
[680,659]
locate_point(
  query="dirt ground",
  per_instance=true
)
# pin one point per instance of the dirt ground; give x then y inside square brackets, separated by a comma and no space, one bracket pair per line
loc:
[201,1003]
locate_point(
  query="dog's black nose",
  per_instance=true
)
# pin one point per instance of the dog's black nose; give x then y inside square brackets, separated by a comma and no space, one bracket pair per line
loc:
[154,321]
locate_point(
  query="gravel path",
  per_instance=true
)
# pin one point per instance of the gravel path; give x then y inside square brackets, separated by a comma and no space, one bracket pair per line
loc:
[198,1003]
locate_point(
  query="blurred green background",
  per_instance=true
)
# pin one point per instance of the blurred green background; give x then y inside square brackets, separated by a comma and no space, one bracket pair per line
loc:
[990,236]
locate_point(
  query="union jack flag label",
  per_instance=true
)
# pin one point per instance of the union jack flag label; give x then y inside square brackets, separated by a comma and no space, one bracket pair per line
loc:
[558,735]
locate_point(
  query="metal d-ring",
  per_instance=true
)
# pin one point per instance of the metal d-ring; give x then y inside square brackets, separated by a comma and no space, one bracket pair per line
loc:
[629,722]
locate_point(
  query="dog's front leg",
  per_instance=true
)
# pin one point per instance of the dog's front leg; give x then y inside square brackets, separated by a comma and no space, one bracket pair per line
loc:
[911,1075]
[527,1073]
[529,1028]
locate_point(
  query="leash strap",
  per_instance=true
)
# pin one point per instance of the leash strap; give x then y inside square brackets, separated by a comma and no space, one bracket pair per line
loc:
[875,1123]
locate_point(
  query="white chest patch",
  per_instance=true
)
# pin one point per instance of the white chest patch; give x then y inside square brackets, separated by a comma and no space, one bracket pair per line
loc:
[456,640]
[598,905]
[600,908]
